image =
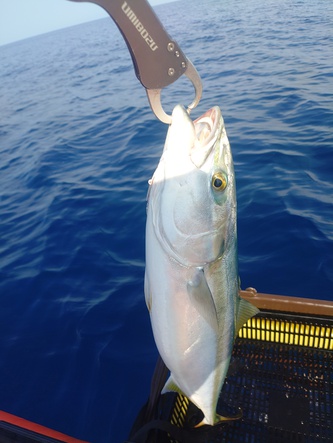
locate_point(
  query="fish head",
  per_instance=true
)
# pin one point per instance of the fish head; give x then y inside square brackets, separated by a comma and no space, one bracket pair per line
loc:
[194,202]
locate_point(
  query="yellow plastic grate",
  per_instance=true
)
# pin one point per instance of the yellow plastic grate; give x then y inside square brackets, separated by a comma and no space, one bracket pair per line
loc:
[291,332]
[179,413]
[180,410]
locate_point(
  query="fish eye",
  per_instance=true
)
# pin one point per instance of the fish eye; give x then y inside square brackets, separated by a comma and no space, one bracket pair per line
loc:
[219,181]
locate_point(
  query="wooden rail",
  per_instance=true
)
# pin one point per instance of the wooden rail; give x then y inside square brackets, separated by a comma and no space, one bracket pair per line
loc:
[285,303]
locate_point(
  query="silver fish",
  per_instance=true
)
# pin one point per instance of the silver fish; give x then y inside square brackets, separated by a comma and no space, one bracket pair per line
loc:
[191,279]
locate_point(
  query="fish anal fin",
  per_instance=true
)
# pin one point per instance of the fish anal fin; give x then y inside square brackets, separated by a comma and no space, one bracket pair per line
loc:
[170,386]
[202,297]
[245,311]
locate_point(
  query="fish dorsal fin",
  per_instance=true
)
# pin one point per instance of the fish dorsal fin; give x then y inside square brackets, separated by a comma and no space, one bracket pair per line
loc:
[245,311]
[202,297]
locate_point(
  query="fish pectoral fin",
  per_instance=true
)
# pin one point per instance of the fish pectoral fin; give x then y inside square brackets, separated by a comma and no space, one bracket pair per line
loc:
[148,295]
[202,297]
[245,311]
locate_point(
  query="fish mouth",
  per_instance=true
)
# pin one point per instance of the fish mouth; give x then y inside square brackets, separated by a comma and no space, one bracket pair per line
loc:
[207,130]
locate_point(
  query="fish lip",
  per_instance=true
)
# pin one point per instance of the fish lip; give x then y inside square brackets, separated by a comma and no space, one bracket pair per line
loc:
[204,140]
[214,113]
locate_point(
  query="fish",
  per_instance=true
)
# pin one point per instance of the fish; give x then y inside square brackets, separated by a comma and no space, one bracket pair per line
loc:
[191,280]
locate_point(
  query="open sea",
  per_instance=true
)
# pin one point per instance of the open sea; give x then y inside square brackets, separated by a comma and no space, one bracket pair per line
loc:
[78,143]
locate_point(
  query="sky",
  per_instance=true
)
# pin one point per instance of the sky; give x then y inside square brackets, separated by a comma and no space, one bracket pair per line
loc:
[21,19]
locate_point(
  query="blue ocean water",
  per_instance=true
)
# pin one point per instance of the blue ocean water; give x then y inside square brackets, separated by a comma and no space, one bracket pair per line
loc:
[78,143]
